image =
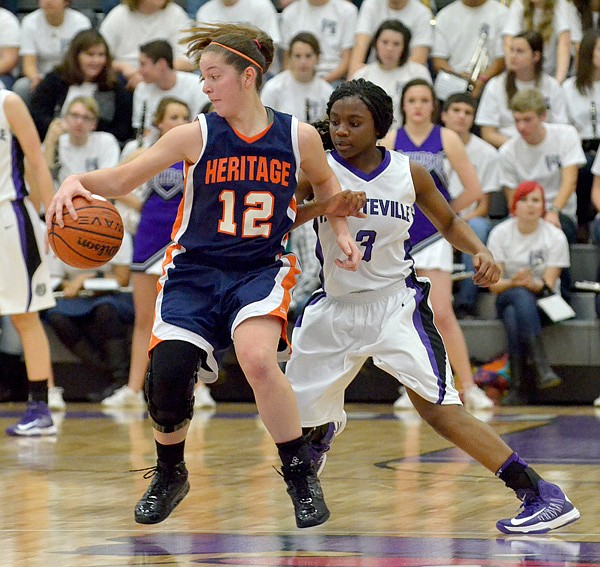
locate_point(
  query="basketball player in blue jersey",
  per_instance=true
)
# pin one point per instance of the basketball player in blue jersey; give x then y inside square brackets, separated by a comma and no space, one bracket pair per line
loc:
[382,310]
[24,278]
[226,277]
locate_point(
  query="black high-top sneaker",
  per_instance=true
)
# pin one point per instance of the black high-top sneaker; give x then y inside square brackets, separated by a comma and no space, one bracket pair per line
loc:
[168,488]
[304,489]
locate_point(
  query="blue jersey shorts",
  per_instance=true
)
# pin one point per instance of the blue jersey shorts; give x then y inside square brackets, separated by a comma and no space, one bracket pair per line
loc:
[203,305]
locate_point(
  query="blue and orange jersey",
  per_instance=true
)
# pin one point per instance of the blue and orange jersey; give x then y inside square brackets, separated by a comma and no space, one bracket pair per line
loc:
[239,202]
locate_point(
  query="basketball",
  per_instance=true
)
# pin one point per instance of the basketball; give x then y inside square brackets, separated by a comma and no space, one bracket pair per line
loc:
[91,240]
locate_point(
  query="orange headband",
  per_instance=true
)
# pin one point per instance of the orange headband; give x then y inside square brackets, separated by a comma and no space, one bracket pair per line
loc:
[237,53]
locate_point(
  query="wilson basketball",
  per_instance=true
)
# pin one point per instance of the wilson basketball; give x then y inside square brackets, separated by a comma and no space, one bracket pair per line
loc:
[91,240]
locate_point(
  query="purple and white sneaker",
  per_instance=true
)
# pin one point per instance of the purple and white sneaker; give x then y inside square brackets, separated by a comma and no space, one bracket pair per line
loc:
[36,422]
[321,440]
[540,513]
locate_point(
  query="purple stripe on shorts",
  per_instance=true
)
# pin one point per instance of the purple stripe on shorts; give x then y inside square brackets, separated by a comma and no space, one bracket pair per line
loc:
[17,169]
[20,211]
[426,339]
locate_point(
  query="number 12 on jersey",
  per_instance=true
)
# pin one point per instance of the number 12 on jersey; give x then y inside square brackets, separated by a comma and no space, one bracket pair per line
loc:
[259,209]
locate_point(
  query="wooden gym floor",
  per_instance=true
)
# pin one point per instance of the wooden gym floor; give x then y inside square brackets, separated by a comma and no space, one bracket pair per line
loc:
[399,495]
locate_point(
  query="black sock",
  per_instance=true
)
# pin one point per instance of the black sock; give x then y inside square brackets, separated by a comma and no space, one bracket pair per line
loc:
[518,475]
[170,455]
[294,453]
[38,390]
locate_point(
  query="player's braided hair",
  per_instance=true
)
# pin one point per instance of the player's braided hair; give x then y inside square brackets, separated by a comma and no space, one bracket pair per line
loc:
[241,45]
[322,127]
[377,100]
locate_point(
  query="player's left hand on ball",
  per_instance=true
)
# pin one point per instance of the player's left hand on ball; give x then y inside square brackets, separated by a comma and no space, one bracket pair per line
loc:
[487,271]
[347,204]
[353,255]
[70,188]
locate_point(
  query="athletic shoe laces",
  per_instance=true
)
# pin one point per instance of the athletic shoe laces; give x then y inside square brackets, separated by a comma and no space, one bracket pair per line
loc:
[299,480]
[149,472]
[533,504]
[32,412]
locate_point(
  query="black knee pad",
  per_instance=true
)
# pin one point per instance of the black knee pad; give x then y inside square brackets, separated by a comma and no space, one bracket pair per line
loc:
[170,384]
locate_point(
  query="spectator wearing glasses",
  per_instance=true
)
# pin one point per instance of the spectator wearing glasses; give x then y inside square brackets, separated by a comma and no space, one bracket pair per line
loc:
[73,146]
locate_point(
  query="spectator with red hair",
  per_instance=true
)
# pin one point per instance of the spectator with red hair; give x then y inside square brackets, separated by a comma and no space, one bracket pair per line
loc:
[531,252]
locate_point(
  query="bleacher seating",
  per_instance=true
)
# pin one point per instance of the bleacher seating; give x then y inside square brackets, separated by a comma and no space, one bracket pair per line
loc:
[572,347]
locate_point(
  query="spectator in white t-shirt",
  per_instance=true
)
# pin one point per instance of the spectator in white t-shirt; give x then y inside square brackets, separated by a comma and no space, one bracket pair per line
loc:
[333,23]
[465,29]
[298,90]
[412,13]
[10,40]
[549,154]
[582,93]
[161,80]
[553,20]
[259,13]
[523,71]
[458,114]
[73,146]
[532,254]
[393,69]
[45,36]
[584,15]
[135,22]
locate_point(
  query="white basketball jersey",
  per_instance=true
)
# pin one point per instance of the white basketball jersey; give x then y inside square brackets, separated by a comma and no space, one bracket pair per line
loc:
[382,237]
[12,184]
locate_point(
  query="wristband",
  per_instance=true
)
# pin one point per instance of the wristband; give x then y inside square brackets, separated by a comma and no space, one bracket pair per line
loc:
[554,209]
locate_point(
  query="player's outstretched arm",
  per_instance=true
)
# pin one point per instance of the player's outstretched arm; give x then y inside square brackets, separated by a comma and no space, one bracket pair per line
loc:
[453,228]
[325,185]
[182,143]
[345,204]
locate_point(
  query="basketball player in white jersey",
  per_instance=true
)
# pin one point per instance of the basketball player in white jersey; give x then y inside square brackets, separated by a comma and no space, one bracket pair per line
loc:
[382,310]
[24,278]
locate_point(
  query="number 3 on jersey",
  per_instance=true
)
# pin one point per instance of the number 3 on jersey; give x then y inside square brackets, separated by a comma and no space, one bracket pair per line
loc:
[259,209]
[366,238]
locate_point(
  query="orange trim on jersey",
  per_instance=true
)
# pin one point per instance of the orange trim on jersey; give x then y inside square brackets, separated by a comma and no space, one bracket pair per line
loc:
[253,138]
[179,217]
[287,283]
[171,248]
[154,340]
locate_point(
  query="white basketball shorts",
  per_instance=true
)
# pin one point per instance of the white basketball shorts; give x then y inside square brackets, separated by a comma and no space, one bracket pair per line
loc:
[334,338]
[24,276]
